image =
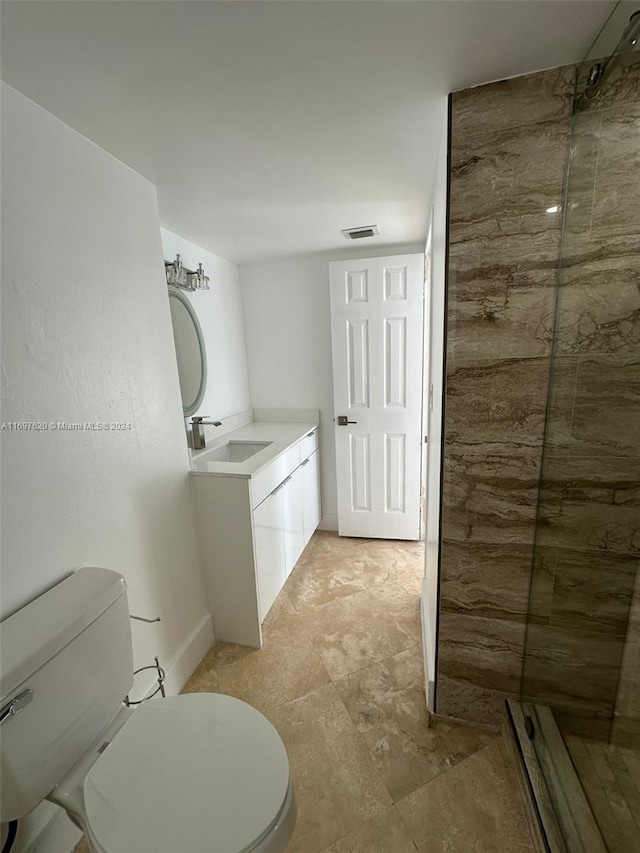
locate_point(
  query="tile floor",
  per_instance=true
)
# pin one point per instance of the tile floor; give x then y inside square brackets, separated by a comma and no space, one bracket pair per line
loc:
[340,676]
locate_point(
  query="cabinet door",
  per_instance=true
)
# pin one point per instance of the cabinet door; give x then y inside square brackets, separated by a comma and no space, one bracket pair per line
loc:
[292,518]
[269,549]
[311,494]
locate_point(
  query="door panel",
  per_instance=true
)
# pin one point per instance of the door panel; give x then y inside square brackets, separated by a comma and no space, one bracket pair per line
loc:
[394,469]
[360,470]
[377,327]
[395,362]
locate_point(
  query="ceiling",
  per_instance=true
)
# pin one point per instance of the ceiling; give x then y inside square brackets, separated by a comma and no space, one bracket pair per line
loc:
[268,127]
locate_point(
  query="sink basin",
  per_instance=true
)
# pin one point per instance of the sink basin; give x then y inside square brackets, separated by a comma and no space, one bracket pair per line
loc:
[237,451]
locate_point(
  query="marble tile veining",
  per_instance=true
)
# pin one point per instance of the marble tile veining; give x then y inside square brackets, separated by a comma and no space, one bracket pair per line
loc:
[485,781]
[592,591]
[489,580]
[584,505]
[505,180]
[486,652]
[387,704]
[530,99]
[509,151]
[616,205]
[502,295]
[288,666]
[594,406]
[351,633]
[496,406]
[385,833]
[557,659]
[606,410]
[491,498]
[337,785]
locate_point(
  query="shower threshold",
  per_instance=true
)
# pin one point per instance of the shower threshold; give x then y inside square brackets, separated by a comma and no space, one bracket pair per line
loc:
[566,821]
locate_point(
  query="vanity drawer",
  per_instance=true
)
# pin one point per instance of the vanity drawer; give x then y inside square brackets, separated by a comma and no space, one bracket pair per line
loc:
[265,481]
[308,444]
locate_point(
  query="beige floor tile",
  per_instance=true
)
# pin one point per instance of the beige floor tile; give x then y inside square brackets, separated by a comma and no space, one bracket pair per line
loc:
[386,701]
[337,785]
[353,632]
[356,563]
[473,807]
[322,576]
[285,668]
[205,677]
[385,833]
[282,606]
[404,603]
[350,612]
[397,563]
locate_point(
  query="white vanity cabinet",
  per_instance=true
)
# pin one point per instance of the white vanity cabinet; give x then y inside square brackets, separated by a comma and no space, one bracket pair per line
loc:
[252,529]
[310,476]
[293,519]
[269,541]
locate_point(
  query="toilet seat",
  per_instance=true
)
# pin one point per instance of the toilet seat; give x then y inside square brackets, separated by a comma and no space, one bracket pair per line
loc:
[199,772]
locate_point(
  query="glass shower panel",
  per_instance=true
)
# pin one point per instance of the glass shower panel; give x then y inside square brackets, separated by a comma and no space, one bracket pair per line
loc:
[582,656]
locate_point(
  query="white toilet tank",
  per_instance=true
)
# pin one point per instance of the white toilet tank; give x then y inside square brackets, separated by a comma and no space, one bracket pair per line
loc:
[72,648]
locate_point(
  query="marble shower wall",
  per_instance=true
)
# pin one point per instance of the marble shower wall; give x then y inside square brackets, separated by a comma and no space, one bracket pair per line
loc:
[585,613]
[509,143]
[508,369]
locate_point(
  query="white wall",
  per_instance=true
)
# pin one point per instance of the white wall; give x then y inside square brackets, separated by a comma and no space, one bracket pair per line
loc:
[86,336]
[288,333]
[219,311]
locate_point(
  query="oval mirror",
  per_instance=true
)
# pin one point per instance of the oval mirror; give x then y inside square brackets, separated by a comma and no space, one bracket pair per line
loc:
[190,350]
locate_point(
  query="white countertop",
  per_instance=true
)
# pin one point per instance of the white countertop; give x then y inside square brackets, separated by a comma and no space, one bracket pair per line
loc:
[282,436]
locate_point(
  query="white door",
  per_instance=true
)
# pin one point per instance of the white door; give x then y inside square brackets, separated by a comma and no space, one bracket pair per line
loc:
[376,330]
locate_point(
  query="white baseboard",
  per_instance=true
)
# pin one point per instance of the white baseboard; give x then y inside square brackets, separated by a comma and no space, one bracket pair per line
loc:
[329,521]
[189,656]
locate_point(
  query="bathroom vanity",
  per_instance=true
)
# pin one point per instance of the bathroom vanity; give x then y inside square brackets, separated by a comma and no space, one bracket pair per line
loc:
[257,498]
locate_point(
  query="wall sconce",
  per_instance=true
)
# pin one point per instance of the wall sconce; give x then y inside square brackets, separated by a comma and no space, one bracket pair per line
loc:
[202,280]
[184,278]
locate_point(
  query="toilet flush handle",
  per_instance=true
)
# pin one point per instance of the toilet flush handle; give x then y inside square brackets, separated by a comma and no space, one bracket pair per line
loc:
[142,619]
[16,705]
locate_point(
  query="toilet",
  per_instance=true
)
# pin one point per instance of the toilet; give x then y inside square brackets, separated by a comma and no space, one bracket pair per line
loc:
[198,772]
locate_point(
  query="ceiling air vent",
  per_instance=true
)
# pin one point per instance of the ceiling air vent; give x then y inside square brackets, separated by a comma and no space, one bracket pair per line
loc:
[358,233]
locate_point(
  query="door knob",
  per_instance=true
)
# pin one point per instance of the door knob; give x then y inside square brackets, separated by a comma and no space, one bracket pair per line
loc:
[343,420]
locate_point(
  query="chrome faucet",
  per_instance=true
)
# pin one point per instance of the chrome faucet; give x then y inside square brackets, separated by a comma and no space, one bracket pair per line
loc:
[197,435]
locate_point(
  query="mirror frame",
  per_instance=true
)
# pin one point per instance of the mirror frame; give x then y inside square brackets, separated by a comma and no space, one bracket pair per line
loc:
[176,293]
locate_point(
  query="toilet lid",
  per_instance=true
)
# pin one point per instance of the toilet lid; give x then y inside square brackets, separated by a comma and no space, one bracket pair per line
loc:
[199,772]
